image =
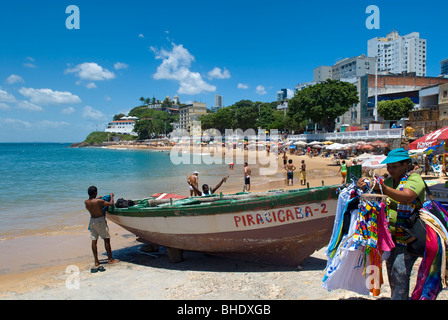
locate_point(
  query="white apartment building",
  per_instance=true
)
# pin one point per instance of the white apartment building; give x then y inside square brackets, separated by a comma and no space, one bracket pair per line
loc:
[399,54]
[123,126]
[357,66]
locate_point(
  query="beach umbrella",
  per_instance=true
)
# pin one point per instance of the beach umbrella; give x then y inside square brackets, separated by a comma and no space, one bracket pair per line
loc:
[300,143]
[367,147]
[430,140]
[327,142]
[379,143]
[337,146]
[363,157]
[314,143]
[438,149]
[374,162]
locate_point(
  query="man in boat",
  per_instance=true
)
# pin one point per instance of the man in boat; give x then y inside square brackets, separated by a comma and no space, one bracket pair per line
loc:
[290,172]
[206,189]
[193,181]
[247,173]
[98,225]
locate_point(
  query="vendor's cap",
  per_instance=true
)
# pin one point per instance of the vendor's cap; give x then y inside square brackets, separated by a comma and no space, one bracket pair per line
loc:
[195,172]
[396,155]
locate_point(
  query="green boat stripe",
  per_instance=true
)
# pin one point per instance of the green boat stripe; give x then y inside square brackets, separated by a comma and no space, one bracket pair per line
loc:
[226,206]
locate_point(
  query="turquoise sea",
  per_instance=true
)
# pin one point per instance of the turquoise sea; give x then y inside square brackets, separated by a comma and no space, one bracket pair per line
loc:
[43,185]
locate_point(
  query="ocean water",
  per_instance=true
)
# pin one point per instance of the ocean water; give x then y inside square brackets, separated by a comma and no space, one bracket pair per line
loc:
[43,185]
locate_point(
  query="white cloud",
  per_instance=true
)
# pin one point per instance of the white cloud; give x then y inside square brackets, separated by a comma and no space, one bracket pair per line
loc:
[91,85]
[141,35]
[242,86]
[29,64]
[91,71]
[260,90]
[15,122]
[217,73]
[25,105]
[289,93]
[93,114]
[49,97]
[68,110]
[6,97]
[176,66]
[14,79]
[120,65]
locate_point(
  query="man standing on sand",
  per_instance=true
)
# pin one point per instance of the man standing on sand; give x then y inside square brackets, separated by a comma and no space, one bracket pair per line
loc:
[193,181]
[247,173]
[290,172]
[303,173]
[98,226]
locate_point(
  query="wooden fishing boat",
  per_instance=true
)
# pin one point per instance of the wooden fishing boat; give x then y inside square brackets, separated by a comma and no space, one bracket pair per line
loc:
[280,227]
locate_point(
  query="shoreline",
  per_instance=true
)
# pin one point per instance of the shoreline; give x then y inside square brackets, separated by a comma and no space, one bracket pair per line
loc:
[40,266]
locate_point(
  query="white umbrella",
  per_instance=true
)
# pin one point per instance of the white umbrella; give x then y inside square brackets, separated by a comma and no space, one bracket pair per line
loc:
[336,146]
[314,143]
[300,143]
[363,157]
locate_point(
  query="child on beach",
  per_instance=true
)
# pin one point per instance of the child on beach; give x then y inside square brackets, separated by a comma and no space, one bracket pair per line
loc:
[343,171]
[98,225]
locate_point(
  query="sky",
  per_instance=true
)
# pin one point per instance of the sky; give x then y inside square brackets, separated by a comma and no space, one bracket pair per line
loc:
[66,71]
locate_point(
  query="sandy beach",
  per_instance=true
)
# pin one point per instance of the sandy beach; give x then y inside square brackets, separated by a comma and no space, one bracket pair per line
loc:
[61,271]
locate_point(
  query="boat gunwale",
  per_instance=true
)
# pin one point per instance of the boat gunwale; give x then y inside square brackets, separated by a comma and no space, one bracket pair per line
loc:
[222,206]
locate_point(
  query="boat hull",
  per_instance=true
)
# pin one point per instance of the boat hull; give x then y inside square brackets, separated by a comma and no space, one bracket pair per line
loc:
[283,228]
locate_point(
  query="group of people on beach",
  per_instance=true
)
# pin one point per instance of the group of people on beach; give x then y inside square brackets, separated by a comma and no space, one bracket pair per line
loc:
[194,183]
[290,168]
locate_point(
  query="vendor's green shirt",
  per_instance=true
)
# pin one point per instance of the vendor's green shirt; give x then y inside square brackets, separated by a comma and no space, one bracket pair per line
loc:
[414,183]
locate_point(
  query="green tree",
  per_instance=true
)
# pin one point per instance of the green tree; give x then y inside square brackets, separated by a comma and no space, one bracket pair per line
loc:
[118,116]
[323,102]
[144,129]
[395,109]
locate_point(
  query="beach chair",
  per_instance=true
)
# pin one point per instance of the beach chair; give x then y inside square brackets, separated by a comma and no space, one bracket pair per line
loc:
[437,169]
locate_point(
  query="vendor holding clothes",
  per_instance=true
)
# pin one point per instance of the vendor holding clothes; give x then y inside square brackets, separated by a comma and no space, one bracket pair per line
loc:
[406,193]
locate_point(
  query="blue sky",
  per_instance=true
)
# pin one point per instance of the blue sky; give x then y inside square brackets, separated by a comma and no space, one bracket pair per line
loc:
[59,84]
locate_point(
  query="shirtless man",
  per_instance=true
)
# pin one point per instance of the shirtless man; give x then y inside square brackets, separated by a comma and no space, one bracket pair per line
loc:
[290,172]
[98,225]
[193,181]
[206,191]
[303,173]
[247,173]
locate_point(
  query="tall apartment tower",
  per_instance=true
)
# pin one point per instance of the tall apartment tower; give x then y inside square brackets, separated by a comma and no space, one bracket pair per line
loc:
[399,54]
[218,103]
